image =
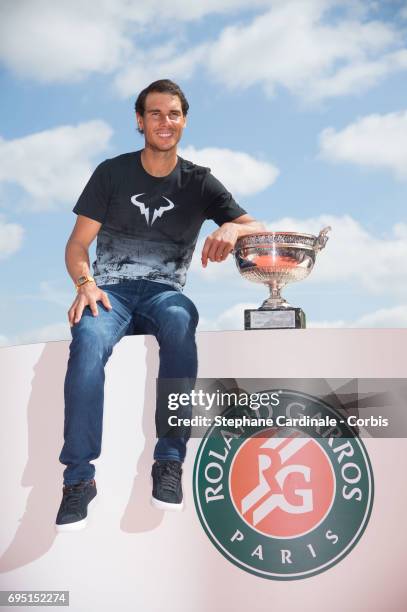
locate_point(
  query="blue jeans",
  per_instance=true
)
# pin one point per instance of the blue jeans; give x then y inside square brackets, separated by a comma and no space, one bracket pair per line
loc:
[138,307]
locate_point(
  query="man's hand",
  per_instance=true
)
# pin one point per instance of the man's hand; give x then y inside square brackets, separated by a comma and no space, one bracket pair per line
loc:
[88,295]
[220,243]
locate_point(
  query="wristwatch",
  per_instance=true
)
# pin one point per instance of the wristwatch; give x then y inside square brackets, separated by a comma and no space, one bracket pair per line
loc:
[82,280]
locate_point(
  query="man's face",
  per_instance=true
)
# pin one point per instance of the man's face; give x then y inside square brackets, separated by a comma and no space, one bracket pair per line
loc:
[163,121]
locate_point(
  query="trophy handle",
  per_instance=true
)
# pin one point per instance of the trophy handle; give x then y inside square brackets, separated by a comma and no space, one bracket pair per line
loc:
[322,238]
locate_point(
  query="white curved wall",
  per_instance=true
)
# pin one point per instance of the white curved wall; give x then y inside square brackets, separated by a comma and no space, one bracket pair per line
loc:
[132,557]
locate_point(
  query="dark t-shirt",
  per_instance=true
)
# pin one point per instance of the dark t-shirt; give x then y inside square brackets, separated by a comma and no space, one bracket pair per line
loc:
[150,225]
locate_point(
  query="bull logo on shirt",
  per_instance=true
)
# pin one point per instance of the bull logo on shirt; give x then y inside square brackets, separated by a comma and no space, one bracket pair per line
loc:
[145,210]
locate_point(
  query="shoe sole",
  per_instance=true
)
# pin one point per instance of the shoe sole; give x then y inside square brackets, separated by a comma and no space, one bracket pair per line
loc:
[161,505]
[77,525]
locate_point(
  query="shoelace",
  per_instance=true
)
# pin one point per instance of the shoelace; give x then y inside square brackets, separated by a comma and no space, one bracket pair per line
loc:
[72,496]
[169,476]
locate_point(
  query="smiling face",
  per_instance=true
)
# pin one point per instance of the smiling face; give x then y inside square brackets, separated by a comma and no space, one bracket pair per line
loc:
[163,121]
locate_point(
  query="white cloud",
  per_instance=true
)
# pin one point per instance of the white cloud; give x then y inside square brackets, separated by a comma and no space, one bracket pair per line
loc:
[165,61]
[353,256]
[384,317]
[293,45]
[297,46]
[337,323]
[243,174]
[52,166]
[67,41]
[61,41]
[358,76]
[395,316]
[54,331]
[185,10]
[375,141]
[232,318]
[11,238]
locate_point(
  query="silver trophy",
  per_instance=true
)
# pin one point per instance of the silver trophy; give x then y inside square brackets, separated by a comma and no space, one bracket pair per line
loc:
[276,259]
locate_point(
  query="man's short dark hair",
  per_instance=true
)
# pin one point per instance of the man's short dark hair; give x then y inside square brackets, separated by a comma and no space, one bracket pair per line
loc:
[161,86]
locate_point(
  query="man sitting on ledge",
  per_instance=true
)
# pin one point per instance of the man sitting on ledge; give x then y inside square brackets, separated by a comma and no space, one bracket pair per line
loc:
[146,209]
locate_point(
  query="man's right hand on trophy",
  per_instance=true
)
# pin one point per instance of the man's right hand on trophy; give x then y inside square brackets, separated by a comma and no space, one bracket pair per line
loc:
[220,243]
[88,295]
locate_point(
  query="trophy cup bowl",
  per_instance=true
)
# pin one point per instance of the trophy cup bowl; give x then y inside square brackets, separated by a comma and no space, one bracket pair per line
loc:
[276,259]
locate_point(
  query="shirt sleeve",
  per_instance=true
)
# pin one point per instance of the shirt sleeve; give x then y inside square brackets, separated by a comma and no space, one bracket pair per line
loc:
[220,206]
[94,199]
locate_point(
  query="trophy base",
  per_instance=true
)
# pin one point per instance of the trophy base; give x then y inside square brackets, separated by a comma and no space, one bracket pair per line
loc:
[276,318]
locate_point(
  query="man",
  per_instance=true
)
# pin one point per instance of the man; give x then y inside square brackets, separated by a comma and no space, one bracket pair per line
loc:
[146,209]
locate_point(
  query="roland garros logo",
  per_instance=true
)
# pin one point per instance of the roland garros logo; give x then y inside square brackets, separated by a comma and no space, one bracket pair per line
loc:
[284,504]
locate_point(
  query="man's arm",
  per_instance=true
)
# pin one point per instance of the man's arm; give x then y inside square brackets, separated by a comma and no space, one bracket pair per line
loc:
[77,263]
[222,241]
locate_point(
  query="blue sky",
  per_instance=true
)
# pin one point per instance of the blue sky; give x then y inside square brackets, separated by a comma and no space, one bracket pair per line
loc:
[299,107]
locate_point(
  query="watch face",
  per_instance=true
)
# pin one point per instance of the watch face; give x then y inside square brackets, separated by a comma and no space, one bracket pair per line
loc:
[81,280]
